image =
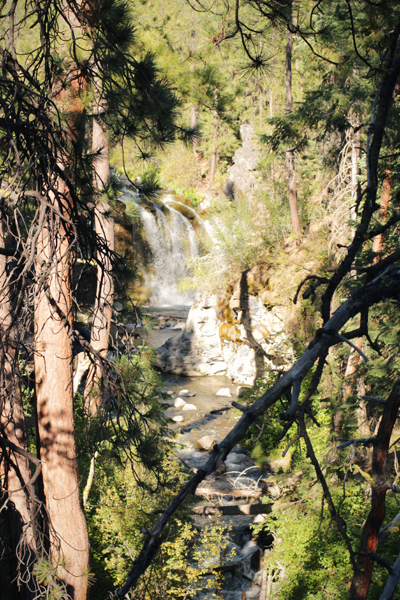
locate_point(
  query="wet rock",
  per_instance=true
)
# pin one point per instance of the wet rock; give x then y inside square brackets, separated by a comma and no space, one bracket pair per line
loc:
[204,443]
[238,449]
[221,469]
[186,394]
[178,403]
[189,407]
[225,392]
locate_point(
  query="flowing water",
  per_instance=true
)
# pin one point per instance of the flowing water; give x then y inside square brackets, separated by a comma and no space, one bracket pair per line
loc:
[173,241]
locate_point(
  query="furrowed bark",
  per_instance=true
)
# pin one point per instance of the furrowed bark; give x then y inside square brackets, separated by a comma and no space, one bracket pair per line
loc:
[69,544]
[386,285]
[385,197]
[369,538]
[68,536]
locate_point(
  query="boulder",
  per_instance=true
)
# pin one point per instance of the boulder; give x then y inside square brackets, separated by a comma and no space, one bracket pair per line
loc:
[189,407]
[259,519]
[178,403]
[186,394]
[177,419]
[222,337]
[204,443]
[225,392]
[241,391]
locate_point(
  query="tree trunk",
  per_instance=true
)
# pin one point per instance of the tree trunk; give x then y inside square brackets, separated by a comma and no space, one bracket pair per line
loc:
[69,544]
[68,537]
[104,226]
[369,538]
[215,138]
[16,472]
[385,197]
[290,172]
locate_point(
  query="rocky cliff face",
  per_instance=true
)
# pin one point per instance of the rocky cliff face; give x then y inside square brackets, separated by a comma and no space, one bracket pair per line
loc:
[241,176]
[233,334]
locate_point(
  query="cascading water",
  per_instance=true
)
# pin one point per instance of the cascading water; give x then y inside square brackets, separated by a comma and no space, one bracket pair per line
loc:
[173,241]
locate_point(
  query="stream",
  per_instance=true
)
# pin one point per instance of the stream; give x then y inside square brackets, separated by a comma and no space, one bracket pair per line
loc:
[233,494]
[201,407]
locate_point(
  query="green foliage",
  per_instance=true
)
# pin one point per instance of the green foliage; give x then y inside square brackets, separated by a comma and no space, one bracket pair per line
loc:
[46,575]
[235,240]
[122,510]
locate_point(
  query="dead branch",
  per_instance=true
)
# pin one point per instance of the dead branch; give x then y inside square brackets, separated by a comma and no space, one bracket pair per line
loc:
[392,582]
[363,441]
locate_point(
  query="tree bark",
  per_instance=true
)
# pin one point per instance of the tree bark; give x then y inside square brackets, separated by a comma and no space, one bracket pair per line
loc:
[68,536]
[385,197]
[290,171]
[215,138]
[369,538]
[16,472]
[355,168]
[104,227]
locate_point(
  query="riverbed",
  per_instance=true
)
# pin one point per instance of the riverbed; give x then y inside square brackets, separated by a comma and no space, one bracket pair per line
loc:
[233,495]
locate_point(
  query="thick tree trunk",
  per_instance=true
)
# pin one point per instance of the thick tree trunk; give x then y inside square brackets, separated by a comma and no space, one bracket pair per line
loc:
[16,472]
[290,172]
[215,138]
[68,536]
[69,544]
[104,226]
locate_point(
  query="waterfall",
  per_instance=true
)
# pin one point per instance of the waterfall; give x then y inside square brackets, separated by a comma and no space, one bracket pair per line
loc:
[172,240]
